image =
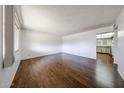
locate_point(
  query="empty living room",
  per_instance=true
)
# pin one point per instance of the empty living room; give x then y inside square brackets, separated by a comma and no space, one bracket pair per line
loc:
[61,46]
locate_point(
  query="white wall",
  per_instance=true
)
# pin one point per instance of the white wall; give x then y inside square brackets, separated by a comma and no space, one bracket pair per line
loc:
[36,43]
[120,44]
[84,43]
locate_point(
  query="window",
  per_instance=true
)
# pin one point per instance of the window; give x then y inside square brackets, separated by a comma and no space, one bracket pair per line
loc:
[104,41]
[105,35]
[98,42]
[16,31]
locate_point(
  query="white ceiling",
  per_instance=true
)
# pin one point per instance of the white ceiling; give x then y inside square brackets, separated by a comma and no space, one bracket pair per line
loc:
[64,20]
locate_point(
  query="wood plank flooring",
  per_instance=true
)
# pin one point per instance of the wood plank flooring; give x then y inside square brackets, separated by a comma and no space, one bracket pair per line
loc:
[104,57]
[65,71]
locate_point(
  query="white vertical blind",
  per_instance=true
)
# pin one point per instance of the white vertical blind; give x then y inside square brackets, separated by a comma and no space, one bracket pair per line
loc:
[1,30]
[9,40]
[11,28]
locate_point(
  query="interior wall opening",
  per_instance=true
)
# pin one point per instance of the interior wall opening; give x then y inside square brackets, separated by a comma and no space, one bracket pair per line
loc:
[104,47]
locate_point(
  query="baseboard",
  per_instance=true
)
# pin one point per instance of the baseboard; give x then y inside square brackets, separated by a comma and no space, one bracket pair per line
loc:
[54,54]
[78,55]
[39,56]
[116,66]
[121,75]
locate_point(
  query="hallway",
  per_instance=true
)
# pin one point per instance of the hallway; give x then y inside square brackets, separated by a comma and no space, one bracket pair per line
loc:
[65,71]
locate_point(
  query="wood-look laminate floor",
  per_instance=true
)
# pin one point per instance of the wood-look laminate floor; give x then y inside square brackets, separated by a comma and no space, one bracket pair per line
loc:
[105,58]
[65,71]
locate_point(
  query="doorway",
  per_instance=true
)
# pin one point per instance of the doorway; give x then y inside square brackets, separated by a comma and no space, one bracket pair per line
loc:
[104,47]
